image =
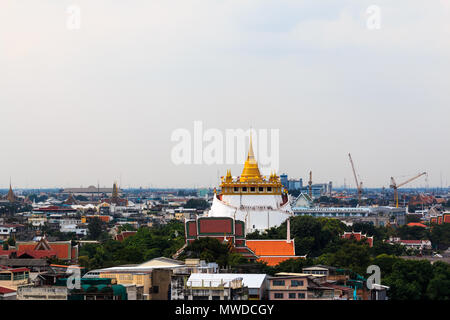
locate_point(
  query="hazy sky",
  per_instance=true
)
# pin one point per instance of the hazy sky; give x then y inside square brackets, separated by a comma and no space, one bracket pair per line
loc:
[100,103]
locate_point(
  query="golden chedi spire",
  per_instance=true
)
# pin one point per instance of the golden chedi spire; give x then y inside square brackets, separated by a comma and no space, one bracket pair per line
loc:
[228,177]
[11,196]
[115,191]
[251,170]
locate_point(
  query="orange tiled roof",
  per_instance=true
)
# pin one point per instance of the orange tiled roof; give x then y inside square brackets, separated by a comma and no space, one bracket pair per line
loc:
[62,250]
[271,247]
[416,224]
[37,254]
[273,261]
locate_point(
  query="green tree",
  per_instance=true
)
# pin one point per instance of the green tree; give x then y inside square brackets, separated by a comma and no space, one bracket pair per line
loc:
[386,263]
[95,228]
[439,286]
[293,265]
[409,279]
[440,235]
[11,242]
[208,249]
[199,204]
[351,255]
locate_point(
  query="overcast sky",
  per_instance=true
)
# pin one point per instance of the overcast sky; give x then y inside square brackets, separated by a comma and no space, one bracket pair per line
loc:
[100,103]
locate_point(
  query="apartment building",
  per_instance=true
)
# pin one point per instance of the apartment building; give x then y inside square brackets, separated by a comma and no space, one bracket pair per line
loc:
[298,287]
[226,286]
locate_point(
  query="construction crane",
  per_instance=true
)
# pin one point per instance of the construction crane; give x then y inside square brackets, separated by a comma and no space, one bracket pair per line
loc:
[395,186]
[359,185]
[310,184]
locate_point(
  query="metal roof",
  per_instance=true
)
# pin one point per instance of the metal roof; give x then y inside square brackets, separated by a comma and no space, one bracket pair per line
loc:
[252,281]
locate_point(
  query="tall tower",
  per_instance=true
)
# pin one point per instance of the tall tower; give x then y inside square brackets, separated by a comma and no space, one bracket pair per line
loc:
[310,184]
[115,193]
[11,196]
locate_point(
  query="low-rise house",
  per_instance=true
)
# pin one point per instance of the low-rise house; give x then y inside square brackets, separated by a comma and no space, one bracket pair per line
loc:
[124,234]
[378,292]
[37,220]
[412,244]
[11,278]
[330,272]
[9,230]
[78,229]
[7,294]
[440,218]
[31,292]
[62,250]
[89,289]
[34,265]
[340,292]
[358,236]
[298,287]
[181,275]
[226,286]
[154,276]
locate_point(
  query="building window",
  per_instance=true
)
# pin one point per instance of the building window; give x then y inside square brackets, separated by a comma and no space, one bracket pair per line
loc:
[301,295]
[252,189]
[291,295]
[236,189]
[269,189]
[297,283]
[20,276]
[5,276]
[244,189]
[278,296]
[278,282]
[261,189]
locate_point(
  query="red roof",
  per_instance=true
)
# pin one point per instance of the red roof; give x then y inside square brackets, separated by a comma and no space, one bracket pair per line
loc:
[273,261]
[358,236]
[61,249]
[416,224]
[4,290]
[272,247]
[446,218]
[272,252]
[6,252]
[37,254]
[412,241]
[102,218]
[335,286]
[5,268]
[125,234]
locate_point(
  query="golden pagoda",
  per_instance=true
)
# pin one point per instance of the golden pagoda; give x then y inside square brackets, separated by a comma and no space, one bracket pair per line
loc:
[260,202]
[11,197]
[115,191]
[251,181]
[251,170]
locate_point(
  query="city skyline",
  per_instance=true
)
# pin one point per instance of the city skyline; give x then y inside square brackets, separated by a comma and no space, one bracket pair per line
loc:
[100,103]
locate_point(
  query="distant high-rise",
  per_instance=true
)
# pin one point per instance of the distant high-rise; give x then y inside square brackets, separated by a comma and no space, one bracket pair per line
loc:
[284,180]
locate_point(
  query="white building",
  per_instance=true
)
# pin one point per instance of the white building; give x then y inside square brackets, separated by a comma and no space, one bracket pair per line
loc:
[259,201]
[219,286]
